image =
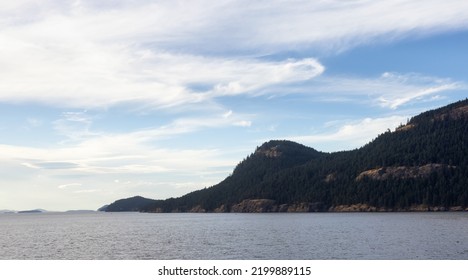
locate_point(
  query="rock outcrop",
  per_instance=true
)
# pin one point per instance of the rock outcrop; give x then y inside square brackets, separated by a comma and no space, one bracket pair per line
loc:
[269,205]
[360,207]
[272,152]
[402,172]
[255,206]
[197,209]
[405,127]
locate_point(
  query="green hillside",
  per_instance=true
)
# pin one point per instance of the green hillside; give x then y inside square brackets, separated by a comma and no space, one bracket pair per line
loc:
[422,165]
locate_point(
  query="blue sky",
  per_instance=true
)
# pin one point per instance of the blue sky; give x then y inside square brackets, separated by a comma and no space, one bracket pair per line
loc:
[102,100]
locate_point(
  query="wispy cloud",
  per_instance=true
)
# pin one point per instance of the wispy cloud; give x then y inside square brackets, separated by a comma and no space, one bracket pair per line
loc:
[134,152]
[74,125]
[203,25]
[389,90]
[403,89]
[81,54]
[339,25]
[74,67]
[129,76]
[351,134]
[70,185]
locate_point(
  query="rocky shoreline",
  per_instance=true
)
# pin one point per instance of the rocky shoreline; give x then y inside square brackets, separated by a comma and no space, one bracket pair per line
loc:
[413,208]
[270,206]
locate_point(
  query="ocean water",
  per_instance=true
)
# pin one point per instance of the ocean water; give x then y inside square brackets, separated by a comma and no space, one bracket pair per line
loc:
[136,236]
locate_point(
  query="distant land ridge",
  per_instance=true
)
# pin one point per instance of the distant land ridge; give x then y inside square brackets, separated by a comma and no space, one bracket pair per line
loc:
[421,166]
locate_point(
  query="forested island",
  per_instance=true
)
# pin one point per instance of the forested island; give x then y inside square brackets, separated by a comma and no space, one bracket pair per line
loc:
[420,166]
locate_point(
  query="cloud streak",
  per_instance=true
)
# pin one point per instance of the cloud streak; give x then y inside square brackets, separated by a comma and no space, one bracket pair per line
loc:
[134,152]
[407,88]
[107,77]
[389,90]
[350,135]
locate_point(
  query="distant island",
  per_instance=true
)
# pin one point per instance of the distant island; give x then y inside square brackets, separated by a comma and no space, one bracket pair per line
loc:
[32,211]
[421,166]
[80,211]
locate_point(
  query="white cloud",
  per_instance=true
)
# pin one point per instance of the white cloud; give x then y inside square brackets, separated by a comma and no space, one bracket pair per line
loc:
[28,164]
[106,57]
[350,135]
[73,75]
[74,125]
[237,25]
[134,152]
[71,185]
[94,163]
[342,24]
[84,54]
[227,114]
[402,89]
[390,90]
[243,123]
[86,191]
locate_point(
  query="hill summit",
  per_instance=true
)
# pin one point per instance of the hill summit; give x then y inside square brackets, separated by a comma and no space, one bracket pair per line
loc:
[421,166]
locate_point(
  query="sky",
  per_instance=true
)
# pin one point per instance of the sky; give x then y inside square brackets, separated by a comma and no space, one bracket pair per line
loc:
[103,100]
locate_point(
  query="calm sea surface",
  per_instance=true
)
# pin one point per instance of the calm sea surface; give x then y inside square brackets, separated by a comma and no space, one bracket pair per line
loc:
[234,236]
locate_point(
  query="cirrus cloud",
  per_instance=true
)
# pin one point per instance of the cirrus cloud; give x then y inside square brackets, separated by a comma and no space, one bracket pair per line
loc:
[351,134]
[84,54]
